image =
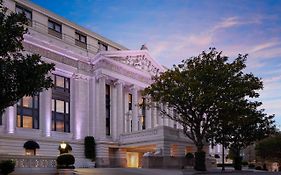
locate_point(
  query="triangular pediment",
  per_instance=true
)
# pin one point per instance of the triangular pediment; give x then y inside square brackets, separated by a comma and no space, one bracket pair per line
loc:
[137,59]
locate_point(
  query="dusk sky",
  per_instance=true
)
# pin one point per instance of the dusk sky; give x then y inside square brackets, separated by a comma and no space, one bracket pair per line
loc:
[177,29]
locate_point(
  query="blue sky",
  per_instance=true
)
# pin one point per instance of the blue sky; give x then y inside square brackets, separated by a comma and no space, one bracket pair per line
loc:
[177,29]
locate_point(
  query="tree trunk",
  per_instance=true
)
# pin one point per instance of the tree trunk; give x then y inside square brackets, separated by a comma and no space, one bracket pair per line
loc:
[237,160]
[200,158]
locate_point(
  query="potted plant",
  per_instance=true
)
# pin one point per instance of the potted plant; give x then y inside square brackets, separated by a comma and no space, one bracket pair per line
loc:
[7,167]
[65,164]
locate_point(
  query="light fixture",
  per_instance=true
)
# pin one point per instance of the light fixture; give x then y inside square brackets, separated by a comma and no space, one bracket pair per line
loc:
[63,145]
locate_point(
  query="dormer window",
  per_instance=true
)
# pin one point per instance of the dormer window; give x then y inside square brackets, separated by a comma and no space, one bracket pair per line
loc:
[54,28]
[26,12]
[102,46]
[80,40]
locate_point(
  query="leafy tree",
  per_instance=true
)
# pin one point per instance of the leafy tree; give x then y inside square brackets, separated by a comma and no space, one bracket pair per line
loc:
[200,90]
[20,74]
[269,148]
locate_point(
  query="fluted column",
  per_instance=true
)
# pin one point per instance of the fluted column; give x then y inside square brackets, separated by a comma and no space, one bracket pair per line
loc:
[74,94]
[10,115]
[148,118]
[154,114]
[166,118]
[160,116]
[46,112]
[135,115]
[114,108]
[101,118]
[120,108]
[92,110]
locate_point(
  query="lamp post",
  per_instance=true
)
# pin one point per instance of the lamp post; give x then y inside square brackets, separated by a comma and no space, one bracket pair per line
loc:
[62,148]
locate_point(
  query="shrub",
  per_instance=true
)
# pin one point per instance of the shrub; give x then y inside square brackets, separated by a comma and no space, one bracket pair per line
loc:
[258,168]
[189,156]
[244,163]
[251,166]
[90,147]
[7,166]
[217,156]
[200,161]
[65,161]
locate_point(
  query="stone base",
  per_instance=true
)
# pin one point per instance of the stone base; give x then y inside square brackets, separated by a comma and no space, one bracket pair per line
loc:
[65,171]
[105,162]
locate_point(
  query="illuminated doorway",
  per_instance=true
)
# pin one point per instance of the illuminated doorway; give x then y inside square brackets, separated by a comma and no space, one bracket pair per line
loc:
[132,159]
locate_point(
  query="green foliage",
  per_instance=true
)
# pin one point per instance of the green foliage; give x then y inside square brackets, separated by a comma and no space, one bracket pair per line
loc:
[7,166]
[200,161]
[208,92]
[20,74]
[189,156]
[65,161]
[90,147]
[269,148]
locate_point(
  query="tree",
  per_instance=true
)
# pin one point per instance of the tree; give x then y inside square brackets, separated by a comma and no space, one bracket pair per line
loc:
[20,74]
[269,148]
[199,91]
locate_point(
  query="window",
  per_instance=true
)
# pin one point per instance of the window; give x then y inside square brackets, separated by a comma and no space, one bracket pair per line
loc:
[102,46]
[26,12]
[28,112]
[107,107]
[80,40]
[60,104]
[130,98]
[142,119]
[54,29]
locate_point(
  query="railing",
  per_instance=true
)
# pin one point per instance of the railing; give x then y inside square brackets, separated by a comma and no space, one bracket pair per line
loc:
[42,28]
[23,161]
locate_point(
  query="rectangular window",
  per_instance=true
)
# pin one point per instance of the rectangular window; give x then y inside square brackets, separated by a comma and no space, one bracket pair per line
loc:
[60,104]
[28,112]
[107,107]
[143,113]
[130,101]
[26,12]
[80,40]
[102,46]
[54,28]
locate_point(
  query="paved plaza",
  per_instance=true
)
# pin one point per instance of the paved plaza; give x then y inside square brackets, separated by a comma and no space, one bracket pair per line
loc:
[143,171]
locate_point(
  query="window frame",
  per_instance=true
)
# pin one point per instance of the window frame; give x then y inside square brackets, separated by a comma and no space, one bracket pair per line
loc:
[52,28]
[102,46]
[107,109]
[25,10]
[33,112]
[61,94]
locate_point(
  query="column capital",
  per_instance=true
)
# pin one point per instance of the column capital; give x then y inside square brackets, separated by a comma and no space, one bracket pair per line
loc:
[134,88]
[77,76]
[118,82]
[101,76]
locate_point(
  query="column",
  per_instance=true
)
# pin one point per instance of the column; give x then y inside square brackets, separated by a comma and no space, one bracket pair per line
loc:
[171,122]
[10,119]
[154,114]
[126,111]
[166,118]
[135,115]
[114,125]
[74,95]
[160,116]
[101,118]
[46,112]
[120,108]
[148,119]
[92,107]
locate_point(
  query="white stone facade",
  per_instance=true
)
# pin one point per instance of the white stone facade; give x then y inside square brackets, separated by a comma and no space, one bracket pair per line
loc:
[106,80]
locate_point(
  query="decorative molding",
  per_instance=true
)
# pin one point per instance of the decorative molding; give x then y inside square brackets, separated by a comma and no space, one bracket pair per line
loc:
[77,76]
[140,62]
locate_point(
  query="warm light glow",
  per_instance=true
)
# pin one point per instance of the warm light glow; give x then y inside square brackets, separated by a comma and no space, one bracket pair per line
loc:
[132,159]
[63,145]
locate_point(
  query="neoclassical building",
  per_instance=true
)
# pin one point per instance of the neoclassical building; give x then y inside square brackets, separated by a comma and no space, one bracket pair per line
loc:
[96,93]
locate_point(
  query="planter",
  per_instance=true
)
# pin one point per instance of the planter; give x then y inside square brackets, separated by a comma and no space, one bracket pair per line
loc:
[65,171]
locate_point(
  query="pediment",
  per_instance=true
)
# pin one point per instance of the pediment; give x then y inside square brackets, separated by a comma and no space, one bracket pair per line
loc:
[139,59]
